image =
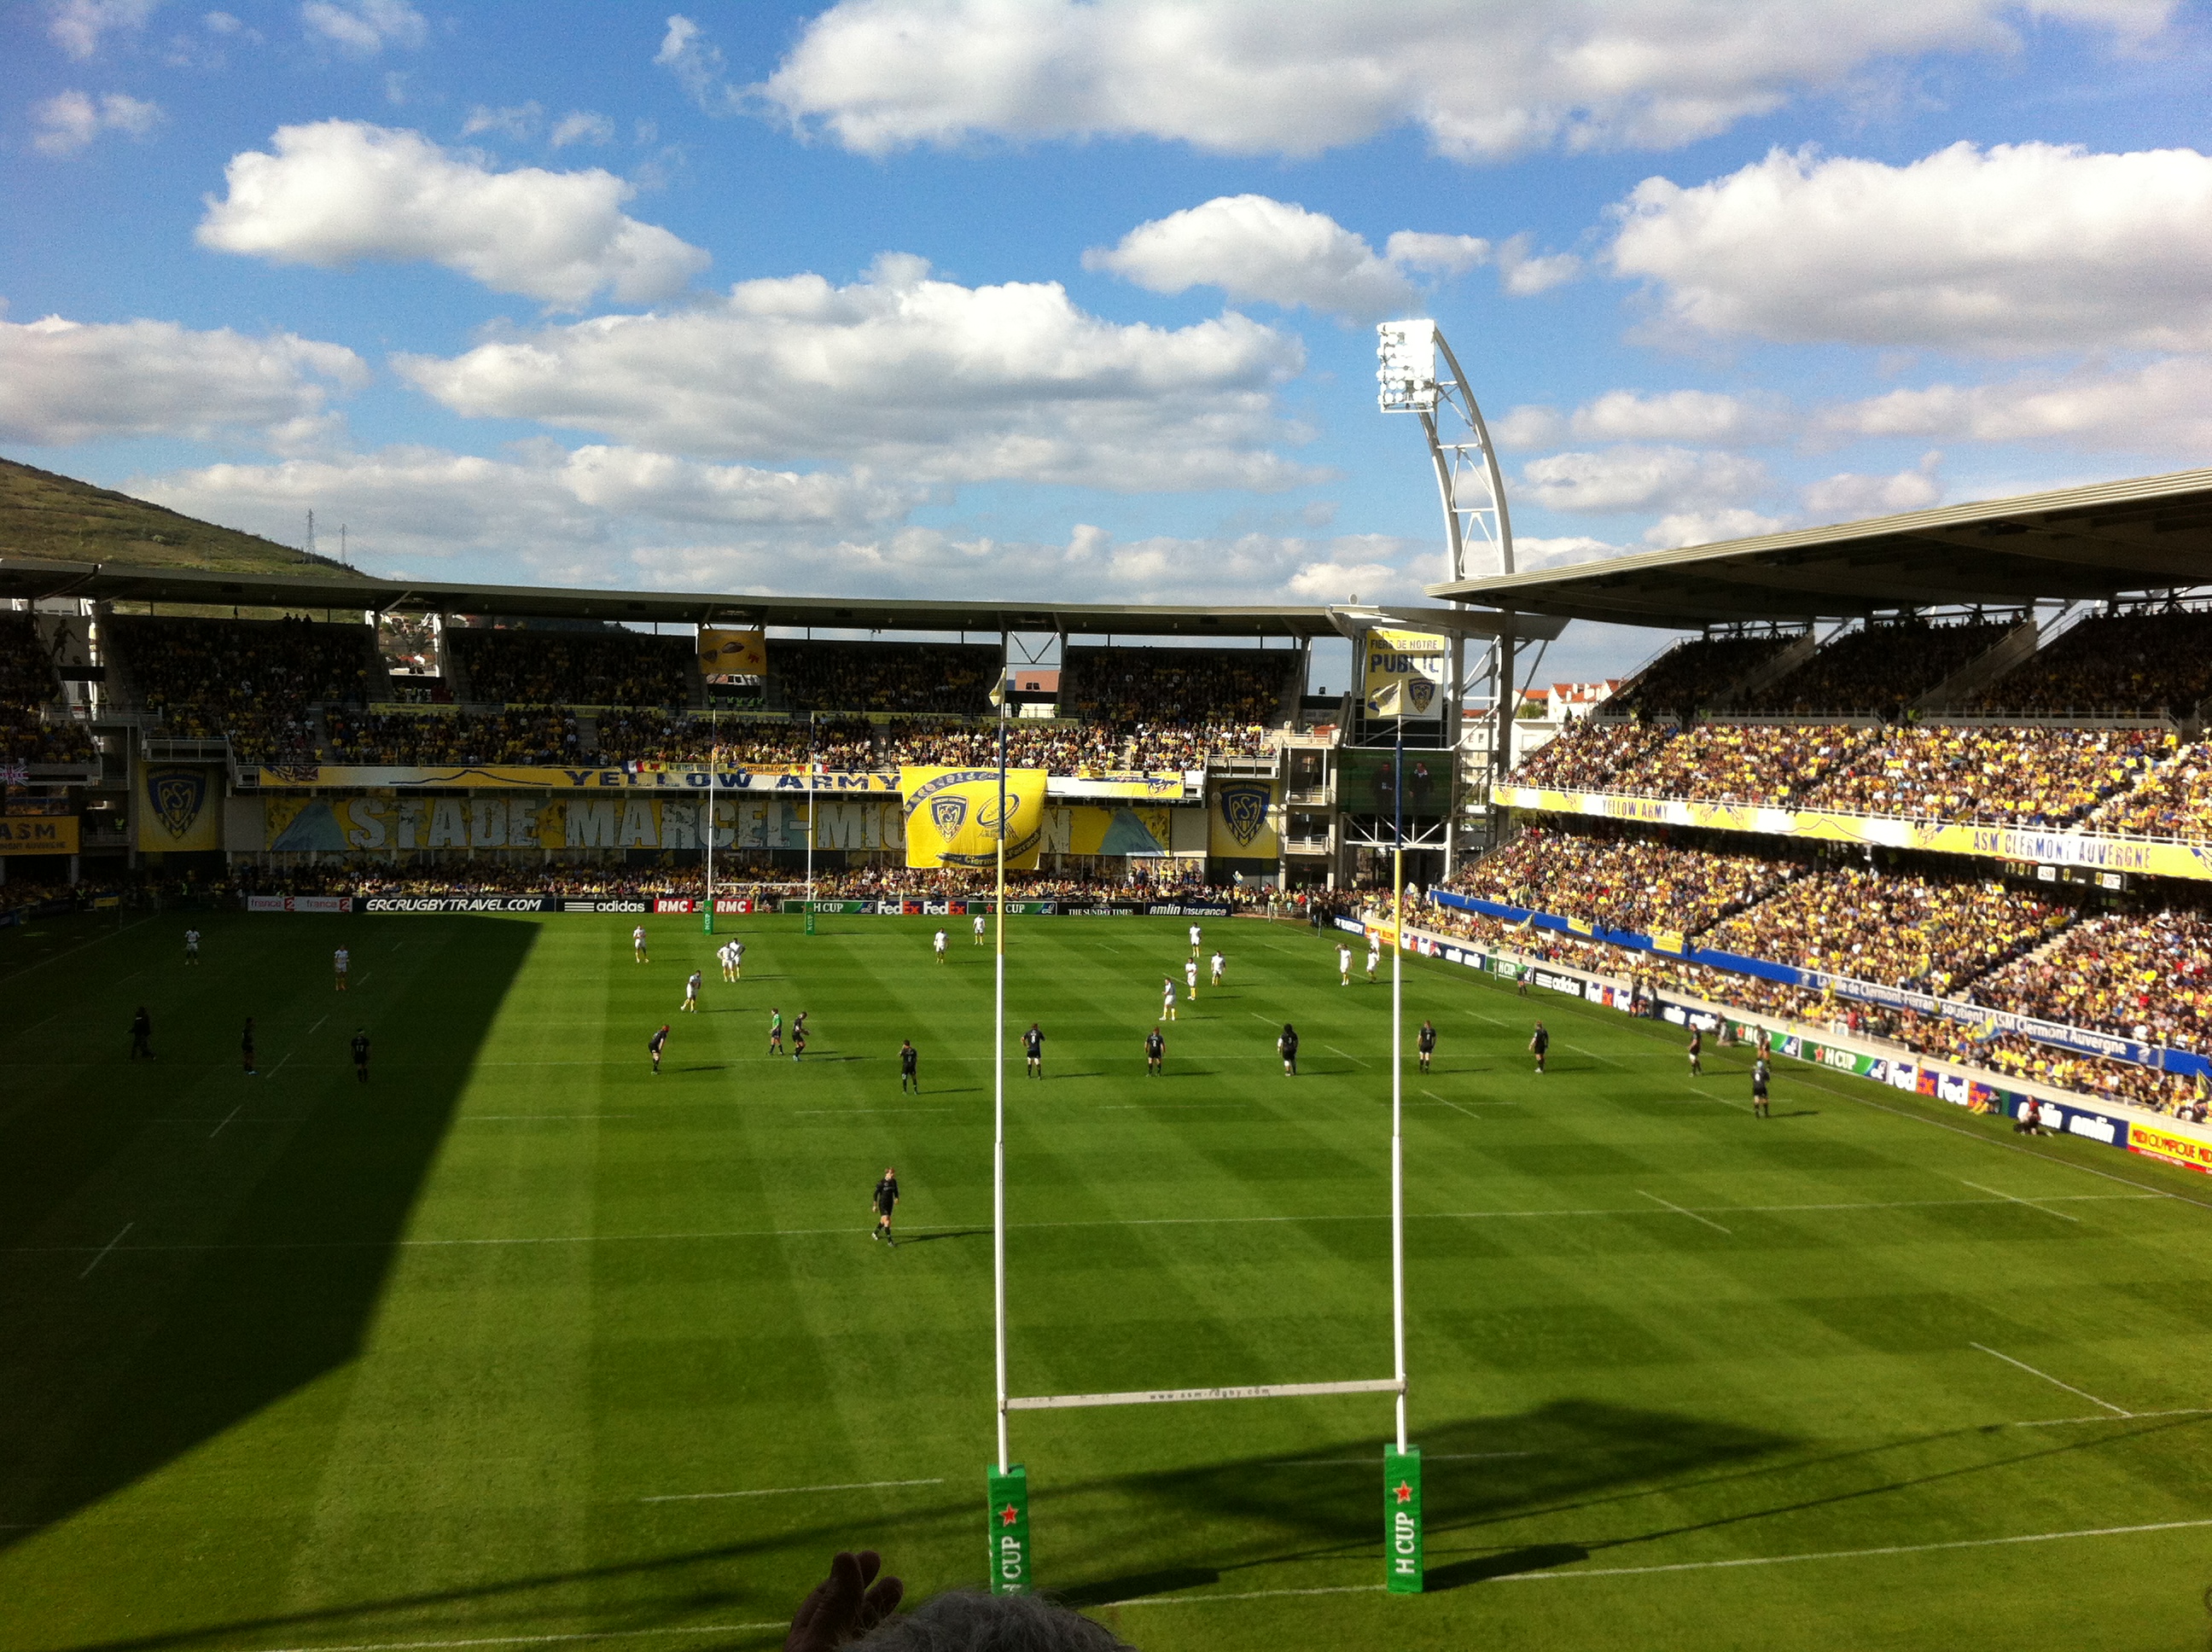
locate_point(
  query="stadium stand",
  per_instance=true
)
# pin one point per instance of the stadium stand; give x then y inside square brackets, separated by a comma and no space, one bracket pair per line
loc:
[1587,755]
[2139,663]
[884,677]
[27,685]
[255,679]
[2145,975]
[1622,881]
[1695,674]
[1986,775]
[529,737]
[2175,800]
[530,666]
[1769,764]
[1879,670]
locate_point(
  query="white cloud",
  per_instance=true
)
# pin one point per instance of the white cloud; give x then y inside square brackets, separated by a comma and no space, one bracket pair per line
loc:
[1636,478]
[362,28]
[698,65]
[1709,418]
[339,191]
[2165,406]
[913,376]
[519,121]
[1847,497]
[76,25]
[1531,552]
[1681,528]
[1252,77]
[581,510]
[222,22]
[69,121]
[1443,255]
[66,381]
[2022,247]
[1253,247]
[1524,274]
[581,126]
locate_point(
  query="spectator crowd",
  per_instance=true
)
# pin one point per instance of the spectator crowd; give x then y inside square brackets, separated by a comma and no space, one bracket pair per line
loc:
[530,666]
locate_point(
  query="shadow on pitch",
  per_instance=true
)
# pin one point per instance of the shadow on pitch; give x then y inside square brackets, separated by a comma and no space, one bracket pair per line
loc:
[954,1233]
[113,1376]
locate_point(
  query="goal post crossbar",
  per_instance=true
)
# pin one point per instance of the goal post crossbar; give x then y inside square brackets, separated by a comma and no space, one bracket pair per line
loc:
[1170,1396]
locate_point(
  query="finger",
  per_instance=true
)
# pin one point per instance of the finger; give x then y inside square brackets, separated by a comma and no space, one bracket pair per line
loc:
[880,1602]
[870,1563]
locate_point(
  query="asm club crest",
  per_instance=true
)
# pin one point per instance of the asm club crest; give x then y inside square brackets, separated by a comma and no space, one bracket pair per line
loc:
[950,814]
[177,795]
[1422,693]
[1245,811]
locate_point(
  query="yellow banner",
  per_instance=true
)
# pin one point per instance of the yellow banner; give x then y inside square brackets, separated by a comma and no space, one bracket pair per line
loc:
[1243,820]
[38,834]
[2169,1146]
[732,654]
[2065,848]
[484,824]
[1404,673]
[643,776]
[1080,829]
[953,816]
[180,808]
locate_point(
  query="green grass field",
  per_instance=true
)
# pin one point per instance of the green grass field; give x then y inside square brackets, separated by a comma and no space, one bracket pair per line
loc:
[520,1343]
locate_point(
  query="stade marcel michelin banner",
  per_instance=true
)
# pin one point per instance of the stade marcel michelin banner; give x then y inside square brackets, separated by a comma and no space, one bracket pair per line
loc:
[334,825]
[954,817]
[2087,849]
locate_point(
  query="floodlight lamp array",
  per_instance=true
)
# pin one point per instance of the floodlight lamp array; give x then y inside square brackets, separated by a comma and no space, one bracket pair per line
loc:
[1407,374]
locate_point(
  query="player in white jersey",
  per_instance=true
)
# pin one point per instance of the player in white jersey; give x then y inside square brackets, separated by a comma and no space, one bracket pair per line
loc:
[191,946]
[637,944]
[1190,977]
[979,929]
[1220,963]
[1374,955]
[1343,964]
[341,961]
[938,943]
[728,961]
[1167,999]
[737,960]
[1194,941]
[691,992]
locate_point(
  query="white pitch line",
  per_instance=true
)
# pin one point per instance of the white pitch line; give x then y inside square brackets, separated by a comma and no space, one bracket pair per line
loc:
[1568,1574]
[226,1118]
[784,1491]
[1347,1054]
[1426,1457]
[1679,1211]
[842,1112]
[104,1249]
[1136,1222]
[2016,1199]
[2082,1392]
[1455,1106]
[318,1027]
[1593,1055]
[530,1640]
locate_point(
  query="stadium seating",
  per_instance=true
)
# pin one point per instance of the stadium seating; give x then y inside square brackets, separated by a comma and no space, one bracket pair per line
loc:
[1692,677]
[2005,776]
[1637,884]
[1587,755]
[2175,800]
[27,684]
[2144,663]
[1878,669]
[613,667]
[893,677]
[2144,975]
[1769,764]
[254,679]
[539,736]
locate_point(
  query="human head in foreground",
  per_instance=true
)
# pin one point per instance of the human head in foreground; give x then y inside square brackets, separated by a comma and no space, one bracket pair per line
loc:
[845,1611]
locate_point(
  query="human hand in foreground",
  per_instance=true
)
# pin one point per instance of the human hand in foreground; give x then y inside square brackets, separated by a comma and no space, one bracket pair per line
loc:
[843,1606]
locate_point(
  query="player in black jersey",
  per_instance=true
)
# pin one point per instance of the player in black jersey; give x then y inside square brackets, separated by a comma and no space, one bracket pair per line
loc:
[655,1044]
[910,1067]
[1156,1049]
[1287,1047]
[1697,1050]
[799,1035]
[1424,1042]
[1539,1046]
[1759,1075]
[884,1201]
[142,1034]
[1033,1050]
[361,1056]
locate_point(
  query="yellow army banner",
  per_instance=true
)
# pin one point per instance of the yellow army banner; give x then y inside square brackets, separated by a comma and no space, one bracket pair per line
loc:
[953,817]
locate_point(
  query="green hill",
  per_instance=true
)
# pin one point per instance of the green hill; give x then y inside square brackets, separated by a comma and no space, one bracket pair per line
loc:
[63,519]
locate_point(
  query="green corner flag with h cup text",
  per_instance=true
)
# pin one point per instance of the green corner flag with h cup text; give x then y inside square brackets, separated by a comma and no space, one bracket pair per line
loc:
[1010,1530]
[1402,1520]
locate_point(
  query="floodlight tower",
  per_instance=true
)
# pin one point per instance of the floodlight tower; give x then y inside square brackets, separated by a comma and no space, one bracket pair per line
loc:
[1418,374]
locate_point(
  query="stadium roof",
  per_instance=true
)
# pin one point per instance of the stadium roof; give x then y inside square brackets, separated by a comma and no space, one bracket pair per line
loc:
[2108,539]
[23,577]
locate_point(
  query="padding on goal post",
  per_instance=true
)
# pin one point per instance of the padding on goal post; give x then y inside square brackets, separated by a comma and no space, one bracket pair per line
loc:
[1402,1520]
[1010,1529]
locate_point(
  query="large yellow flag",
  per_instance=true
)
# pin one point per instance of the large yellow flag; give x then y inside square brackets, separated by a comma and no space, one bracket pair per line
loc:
[952,816]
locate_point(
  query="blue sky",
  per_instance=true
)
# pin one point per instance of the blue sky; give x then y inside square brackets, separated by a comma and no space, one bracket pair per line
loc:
[1026,297]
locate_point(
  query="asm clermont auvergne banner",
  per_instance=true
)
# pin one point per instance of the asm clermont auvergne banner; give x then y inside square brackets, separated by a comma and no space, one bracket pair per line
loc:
[953,817]
[179,807]
[1241,821]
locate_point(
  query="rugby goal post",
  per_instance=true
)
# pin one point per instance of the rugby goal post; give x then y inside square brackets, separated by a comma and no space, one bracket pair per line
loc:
[1011,1559]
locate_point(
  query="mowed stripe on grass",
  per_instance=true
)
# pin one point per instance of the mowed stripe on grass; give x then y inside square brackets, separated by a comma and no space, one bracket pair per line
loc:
[359,1439]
